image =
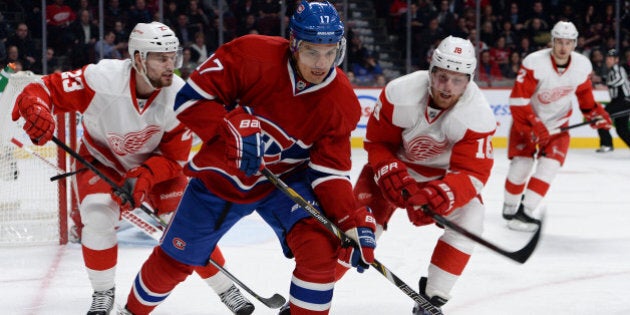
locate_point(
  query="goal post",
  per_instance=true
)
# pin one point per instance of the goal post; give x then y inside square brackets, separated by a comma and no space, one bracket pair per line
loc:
[33,209]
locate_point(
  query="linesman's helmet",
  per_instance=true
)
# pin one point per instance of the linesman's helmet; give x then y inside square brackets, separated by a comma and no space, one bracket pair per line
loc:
[154,37]
[455,54]
[317,23]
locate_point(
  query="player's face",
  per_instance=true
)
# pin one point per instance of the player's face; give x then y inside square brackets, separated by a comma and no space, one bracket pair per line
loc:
[160,66]
[315,60]
[562,48]
[447,87]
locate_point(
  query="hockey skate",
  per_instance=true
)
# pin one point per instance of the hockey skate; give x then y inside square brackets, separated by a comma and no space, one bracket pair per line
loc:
[102,302]
[236,302]
[284,310]
[521,221]
[604,149]
[436,301]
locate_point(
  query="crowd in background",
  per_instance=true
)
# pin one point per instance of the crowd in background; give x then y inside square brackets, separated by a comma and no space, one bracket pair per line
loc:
[509,30]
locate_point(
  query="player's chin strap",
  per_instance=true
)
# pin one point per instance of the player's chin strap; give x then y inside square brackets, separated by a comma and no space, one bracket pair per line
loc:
[143,72]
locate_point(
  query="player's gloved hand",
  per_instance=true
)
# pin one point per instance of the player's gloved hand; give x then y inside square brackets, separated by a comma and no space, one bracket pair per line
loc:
[359,226]
[40,124]
[437,195]
[539,130]
[392,177]
[243,138]
[135,188]
[599,118]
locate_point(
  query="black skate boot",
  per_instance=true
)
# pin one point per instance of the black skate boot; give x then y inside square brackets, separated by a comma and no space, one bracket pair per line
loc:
[436,301]
[102,302]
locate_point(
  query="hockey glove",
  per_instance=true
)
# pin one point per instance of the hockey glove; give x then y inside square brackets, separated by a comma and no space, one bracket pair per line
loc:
[40,124]
[136,186]
[540,134]
[243,139]
[392,177]
[437,195]
[599,118]
[359,226]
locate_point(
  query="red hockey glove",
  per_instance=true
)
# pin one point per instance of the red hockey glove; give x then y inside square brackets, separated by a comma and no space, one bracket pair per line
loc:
[599,118]
[539,131]
[243,139]
[136,186]
[40,124]
[360,226]
[437,195]
[392,177]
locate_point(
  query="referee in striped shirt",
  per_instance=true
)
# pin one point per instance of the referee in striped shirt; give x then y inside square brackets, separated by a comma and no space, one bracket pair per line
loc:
[619,89]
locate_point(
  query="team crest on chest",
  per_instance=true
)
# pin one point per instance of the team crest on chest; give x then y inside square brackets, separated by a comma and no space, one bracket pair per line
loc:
[132,142]
[424,148]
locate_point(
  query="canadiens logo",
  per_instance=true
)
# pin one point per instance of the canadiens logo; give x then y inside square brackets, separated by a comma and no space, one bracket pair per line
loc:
[132,142]
[424,148]
[301,85]
[179,243]
[550,96]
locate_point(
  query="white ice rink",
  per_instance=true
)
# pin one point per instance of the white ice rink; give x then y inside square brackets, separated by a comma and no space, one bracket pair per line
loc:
[581,266]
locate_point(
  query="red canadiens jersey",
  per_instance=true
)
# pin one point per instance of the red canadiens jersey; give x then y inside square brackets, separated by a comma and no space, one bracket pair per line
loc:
[541,88]
[302,124]
[118,132]
[453,145]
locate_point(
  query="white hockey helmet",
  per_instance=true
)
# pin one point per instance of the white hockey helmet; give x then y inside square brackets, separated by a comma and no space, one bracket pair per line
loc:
[455,54]
[154,37]
[565,30]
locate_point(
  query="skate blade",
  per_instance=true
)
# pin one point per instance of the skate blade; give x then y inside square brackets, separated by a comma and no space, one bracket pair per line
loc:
[518,225]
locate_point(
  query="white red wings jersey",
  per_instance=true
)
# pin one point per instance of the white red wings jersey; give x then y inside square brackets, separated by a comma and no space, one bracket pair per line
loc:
[540,88]
[452,145]
[117,131]
[302,124]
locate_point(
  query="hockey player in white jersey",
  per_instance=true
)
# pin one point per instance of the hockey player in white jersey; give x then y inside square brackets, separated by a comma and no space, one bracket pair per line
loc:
[132,135]
[430,137]
[540,103]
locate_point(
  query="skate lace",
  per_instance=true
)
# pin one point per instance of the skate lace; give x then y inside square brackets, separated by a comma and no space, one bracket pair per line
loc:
[102,301]
[233,299]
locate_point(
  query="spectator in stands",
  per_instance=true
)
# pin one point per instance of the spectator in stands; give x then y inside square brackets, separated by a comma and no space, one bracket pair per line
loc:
[525,48]
[366,70]
[171,13]
[599,68]
[114,12]
[244,8]
[446,17]
[28,54]
[356,51]
[184,30]
[515,17]
[58,19]
[52,64]
[139,13]
[429,36]
[122,36]
[13,55]
[84,34]
[538,31]
[106,49]
[461,30]
[86,5]
[269,17]
[499,52]
[488,69]
[200,48]
[510,69]
[538,12]
[396,10]
[198,19]
[247,26]
[488,33]
[511,37]
[188,64]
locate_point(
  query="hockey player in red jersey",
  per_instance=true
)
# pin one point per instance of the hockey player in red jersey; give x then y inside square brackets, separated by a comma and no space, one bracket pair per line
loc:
[132,135]
[262,101]
[429,144]
[541,104]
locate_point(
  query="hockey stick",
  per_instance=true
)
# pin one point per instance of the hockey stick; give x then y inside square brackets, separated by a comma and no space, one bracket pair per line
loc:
[347,241]
[276,301]
[588,122]
[520,255]
[150,229]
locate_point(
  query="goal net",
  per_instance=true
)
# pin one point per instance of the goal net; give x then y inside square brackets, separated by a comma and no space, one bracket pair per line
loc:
[33,209]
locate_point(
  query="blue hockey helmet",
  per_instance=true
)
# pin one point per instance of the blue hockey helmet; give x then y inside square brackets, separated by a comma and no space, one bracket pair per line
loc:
[317,23]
